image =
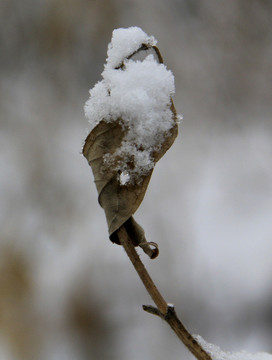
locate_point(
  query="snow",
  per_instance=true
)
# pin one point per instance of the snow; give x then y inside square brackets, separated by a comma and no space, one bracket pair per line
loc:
[124,42]
[217,354]
[139,94]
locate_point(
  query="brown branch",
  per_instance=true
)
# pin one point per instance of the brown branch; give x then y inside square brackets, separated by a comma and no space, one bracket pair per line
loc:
[164,310]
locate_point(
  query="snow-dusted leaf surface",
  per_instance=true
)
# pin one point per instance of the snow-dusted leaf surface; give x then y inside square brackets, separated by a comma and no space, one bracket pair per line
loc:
[133,123]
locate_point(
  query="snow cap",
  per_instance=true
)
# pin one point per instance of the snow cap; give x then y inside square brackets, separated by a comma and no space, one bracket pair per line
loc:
[124,42]
[139,93]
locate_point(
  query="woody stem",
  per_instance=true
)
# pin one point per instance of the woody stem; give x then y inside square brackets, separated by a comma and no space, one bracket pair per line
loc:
[165,311]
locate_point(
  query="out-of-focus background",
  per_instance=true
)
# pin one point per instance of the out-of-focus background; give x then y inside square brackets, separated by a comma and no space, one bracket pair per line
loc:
[66,292]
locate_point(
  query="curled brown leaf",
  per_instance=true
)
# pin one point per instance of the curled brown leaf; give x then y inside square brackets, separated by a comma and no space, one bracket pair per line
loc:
[120,201]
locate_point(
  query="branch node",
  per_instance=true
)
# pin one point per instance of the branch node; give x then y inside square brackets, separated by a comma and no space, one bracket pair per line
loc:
[171,312]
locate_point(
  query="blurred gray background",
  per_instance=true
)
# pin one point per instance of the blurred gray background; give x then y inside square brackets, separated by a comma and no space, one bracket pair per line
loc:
[66,292]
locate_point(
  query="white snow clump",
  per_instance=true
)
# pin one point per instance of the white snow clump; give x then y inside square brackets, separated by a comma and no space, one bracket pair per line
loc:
[217,354]
[138,93]
[125,42]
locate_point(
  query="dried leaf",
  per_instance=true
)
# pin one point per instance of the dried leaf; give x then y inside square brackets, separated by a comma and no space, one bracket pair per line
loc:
[119,202]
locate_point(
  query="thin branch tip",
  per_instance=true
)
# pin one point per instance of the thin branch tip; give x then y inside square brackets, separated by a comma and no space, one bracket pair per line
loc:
[152,310]
[155,311]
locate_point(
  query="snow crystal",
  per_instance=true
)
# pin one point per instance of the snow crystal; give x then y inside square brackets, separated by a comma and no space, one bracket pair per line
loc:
[217,354]
[124,178]
[138,93]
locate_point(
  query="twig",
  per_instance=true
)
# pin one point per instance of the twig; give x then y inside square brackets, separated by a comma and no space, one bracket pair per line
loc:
[164,310]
